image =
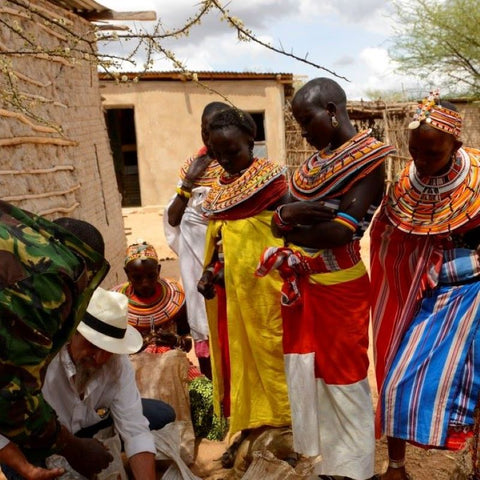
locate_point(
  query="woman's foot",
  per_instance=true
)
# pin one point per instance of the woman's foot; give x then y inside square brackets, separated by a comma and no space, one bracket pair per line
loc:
[395,474]
[228,458]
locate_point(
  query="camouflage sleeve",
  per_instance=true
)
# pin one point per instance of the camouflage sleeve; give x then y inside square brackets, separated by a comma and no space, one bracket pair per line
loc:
[27,336]
[25,417]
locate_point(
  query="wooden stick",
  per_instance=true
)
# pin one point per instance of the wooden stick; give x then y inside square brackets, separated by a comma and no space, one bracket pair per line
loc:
[57,193]
[22,118]
[60,210]
[7,142]
[37,171]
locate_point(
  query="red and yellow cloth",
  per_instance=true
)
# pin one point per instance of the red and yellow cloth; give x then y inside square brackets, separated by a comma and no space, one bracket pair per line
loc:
[244,319]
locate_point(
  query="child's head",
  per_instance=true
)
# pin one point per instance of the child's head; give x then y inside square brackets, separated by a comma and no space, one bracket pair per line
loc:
[142,268]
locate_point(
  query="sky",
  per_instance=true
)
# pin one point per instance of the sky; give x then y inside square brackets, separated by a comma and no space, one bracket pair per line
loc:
[349,37]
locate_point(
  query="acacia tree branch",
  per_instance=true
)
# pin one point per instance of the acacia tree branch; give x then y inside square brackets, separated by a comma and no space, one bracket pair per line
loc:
[465,61]
[238,25]
[181,31]
[71,46]
[432,36]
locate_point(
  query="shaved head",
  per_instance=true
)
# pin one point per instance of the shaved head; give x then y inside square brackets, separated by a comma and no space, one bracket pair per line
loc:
[322,91]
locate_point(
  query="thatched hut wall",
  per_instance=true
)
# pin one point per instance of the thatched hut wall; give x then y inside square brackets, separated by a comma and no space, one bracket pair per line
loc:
[55,156]
[471,123]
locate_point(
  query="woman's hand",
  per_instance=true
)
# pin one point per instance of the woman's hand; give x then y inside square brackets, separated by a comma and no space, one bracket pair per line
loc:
[196,169]
[206,285]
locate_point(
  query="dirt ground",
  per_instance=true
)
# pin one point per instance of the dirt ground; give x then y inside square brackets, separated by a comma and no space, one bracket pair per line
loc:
[147,223]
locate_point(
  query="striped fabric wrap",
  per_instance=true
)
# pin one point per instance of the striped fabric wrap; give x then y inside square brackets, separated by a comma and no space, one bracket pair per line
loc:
[434,380]
[330,173]
[157,310]
[395,297]
[426,318]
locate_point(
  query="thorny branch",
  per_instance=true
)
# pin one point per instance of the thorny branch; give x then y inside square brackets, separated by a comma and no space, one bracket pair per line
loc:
[71,47]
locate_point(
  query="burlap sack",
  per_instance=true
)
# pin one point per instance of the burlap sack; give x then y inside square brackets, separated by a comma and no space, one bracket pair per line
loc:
[57,461]
[276,440]
[115,470]
[168,442]
[164,377]
[266,465]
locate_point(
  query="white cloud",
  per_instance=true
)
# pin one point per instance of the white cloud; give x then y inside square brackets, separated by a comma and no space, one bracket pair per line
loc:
[378,73]
[346,36]
[377,60]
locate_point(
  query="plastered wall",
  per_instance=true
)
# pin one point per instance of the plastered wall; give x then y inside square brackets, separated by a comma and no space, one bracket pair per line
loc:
[55,154]
[167,123]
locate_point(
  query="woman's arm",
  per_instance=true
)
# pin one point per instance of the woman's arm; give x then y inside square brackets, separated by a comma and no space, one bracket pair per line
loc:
[195,170]
[318,231]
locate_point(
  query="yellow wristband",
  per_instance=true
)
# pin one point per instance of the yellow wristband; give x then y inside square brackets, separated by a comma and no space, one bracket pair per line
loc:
[183,193]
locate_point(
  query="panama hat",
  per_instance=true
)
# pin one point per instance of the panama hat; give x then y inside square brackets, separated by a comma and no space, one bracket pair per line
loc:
[105,323]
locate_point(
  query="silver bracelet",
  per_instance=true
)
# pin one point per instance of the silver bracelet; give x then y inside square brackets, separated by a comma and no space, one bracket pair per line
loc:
[396,463]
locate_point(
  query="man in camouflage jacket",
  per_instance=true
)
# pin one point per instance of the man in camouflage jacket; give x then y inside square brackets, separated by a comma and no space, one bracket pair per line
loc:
[47,276]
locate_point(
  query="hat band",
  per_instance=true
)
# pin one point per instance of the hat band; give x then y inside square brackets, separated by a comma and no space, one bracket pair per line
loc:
[102,327]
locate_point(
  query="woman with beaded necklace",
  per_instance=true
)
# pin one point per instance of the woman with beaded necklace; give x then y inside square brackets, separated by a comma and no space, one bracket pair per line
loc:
[425,279]
[243,311]
[325,301]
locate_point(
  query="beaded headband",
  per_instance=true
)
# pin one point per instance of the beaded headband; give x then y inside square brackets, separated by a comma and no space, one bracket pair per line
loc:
[141,250]
[441,118]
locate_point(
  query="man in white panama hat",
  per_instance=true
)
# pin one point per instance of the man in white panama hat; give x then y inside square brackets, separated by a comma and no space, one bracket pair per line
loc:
[91,382]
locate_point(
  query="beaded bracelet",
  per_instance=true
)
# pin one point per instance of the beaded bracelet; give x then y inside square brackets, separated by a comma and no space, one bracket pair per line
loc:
[183,193]
[347,221]
[279,221]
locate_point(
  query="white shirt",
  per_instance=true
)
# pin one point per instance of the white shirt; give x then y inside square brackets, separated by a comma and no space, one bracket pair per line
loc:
[112,388]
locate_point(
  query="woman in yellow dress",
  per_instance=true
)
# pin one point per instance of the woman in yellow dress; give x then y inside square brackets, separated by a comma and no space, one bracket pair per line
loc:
[243,310]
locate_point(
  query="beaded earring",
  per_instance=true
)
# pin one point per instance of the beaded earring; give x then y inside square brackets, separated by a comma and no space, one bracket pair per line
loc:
[334,121]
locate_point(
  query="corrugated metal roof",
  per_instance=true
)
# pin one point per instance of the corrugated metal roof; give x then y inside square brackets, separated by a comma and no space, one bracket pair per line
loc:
[181,76]
[93,11]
